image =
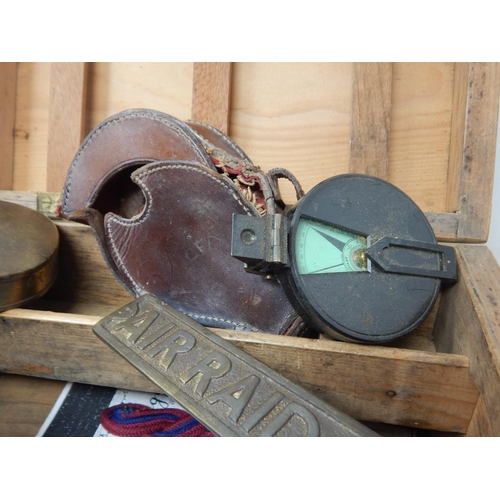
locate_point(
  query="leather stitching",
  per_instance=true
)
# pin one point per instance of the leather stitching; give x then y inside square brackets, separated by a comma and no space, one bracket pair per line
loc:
[222,320]
[222,136]
[113,121]
[144,216]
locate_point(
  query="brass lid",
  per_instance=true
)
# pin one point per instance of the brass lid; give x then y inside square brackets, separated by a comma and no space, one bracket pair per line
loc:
[28,254]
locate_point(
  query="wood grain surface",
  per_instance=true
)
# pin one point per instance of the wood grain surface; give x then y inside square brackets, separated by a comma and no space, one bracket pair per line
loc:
[395,386]
[370,122]
[478,158]
[421,114]
[83,275]
[25,403]
[457,136]
[311,118]
[8,84]
[68,94]
[469,324]
[31,126]
[212,94]
[114,87]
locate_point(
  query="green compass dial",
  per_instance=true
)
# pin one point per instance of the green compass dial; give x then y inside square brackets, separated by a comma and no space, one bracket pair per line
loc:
[324,249]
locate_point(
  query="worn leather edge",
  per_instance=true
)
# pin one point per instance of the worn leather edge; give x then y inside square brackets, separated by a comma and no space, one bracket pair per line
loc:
[282,173]
[106,126]
[95,220]
[232,146]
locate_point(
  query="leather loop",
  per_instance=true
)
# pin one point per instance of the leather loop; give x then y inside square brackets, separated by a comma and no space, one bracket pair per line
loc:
[281,173]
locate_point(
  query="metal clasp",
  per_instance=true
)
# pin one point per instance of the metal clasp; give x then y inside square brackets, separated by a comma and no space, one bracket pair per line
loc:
[260,242]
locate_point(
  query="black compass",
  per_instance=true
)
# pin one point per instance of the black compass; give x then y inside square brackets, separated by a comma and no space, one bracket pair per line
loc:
[357,258]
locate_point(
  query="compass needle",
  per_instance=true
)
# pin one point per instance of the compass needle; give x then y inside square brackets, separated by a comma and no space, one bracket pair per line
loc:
[334,241]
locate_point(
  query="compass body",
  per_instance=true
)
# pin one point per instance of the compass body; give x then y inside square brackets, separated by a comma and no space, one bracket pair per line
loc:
[362,262]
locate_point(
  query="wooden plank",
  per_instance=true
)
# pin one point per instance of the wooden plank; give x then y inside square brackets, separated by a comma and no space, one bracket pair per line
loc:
[25,198]
[8,81]
[419,340]
[370,122]
[481,422]
[421,116]
[444,225]
[212,94]
[396,386]
[469,324]
[66,120]
[374,383]
[25,403]
[478,157]
[115,86]
[31,127]
[295,116]
[457,136]
[83,275]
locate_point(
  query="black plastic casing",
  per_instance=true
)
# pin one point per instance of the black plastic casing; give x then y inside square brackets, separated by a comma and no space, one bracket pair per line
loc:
[367,307]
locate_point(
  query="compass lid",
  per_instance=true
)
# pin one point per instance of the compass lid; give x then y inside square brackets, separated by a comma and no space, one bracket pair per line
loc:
[375,303]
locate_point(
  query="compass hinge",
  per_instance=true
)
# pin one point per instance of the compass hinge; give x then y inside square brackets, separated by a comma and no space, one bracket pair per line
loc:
[260,242]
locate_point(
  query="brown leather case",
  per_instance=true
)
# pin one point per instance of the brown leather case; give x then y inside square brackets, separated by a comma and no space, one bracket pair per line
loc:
[118,146]
[159,197]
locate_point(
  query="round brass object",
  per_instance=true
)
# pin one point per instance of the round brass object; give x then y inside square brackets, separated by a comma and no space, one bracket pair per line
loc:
[28,255]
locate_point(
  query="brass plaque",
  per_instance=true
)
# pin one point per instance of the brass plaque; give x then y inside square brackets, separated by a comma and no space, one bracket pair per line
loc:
[230,392]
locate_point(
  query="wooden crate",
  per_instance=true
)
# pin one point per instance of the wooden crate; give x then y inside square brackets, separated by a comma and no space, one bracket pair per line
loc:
[429,128]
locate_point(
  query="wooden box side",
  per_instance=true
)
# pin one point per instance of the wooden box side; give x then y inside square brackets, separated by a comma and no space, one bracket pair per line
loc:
[407,383]
[429,128]
[468,323]
[8,84]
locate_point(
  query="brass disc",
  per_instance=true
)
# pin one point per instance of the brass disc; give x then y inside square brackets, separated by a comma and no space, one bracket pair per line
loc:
[28,255]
